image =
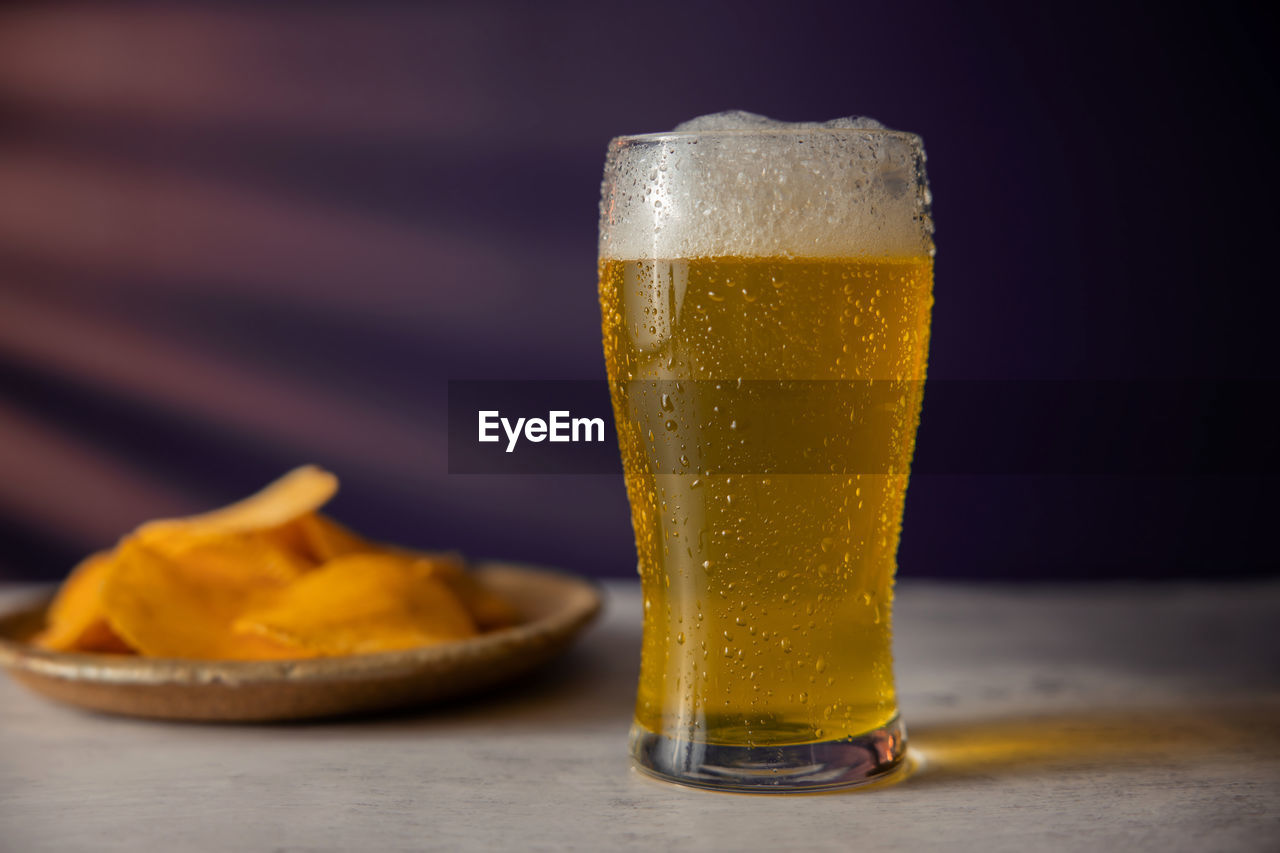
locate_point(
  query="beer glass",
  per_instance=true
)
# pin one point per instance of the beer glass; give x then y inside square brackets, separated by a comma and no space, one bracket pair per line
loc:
[765,291]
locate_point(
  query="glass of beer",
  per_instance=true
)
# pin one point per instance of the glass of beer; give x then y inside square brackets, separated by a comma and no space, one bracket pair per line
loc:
[765,291]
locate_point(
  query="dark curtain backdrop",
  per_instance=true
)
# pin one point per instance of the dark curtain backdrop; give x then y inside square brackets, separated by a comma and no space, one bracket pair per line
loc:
[235,237]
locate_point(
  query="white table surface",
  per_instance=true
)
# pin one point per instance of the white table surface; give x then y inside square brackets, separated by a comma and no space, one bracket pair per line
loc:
[1063,718]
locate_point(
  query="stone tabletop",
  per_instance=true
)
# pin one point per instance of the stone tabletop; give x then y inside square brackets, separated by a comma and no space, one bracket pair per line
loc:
[1058,718]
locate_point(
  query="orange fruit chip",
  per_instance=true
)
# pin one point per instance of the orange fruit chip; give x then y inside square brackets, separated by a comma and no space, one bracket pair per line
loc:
[360,603]
[101,637]
[490,610]
[76,621]
[261,559]
[185,608]
[303,490]
[324,539]
[266,577]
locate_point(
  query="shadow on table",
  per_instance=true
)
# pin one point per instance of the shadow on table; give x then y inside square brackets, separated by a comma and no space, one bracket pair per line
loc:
[1088,741]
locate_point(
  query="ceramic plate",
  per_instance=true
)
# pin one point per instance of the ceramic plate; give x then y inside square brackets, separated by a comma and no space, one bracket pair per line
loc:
[556,608]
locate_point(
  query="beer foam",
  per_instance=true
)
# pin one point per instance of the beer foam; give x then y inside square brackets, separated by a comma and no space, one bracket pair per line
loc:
[743,120]
[737,183]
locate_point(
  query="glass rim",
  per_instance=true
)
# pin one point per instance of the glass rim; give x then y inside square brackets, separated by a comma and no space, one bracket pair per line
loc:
[762,132]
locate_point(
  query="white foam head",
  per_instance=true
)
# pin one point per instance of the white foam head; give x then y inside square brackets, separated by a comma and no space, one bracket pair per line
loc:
[736,183]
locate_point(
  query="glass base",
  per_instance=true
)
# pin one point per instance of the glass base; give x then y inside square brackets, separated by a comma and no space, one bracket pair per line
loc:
[797,768]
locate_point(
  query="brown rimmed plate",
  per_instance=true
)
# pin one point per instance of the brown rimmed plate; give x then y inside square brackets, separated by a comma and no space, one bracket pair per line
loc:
[556,608]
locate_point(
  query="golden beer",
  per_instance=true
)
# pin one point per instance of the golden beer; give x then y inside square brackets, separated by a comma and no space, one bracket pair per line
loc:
[767,407]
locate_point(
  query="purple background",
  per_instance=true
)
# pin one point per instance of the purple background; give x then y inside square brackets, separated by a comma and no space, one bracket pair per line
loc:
[235,237]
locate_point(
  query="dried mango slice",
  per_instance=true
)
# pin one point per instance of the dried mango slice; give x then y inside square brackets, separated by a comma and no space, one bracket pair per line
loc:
[489,610]
[101,637]
[363,603]
[326,539]
[185,608]
[299,492]
[290,539]
[267,577]
[76,621]
[263,558]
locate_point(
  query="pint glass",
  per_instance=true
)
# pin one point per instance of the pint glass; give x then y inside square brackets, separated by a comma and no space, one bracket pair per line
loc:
[765,291]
